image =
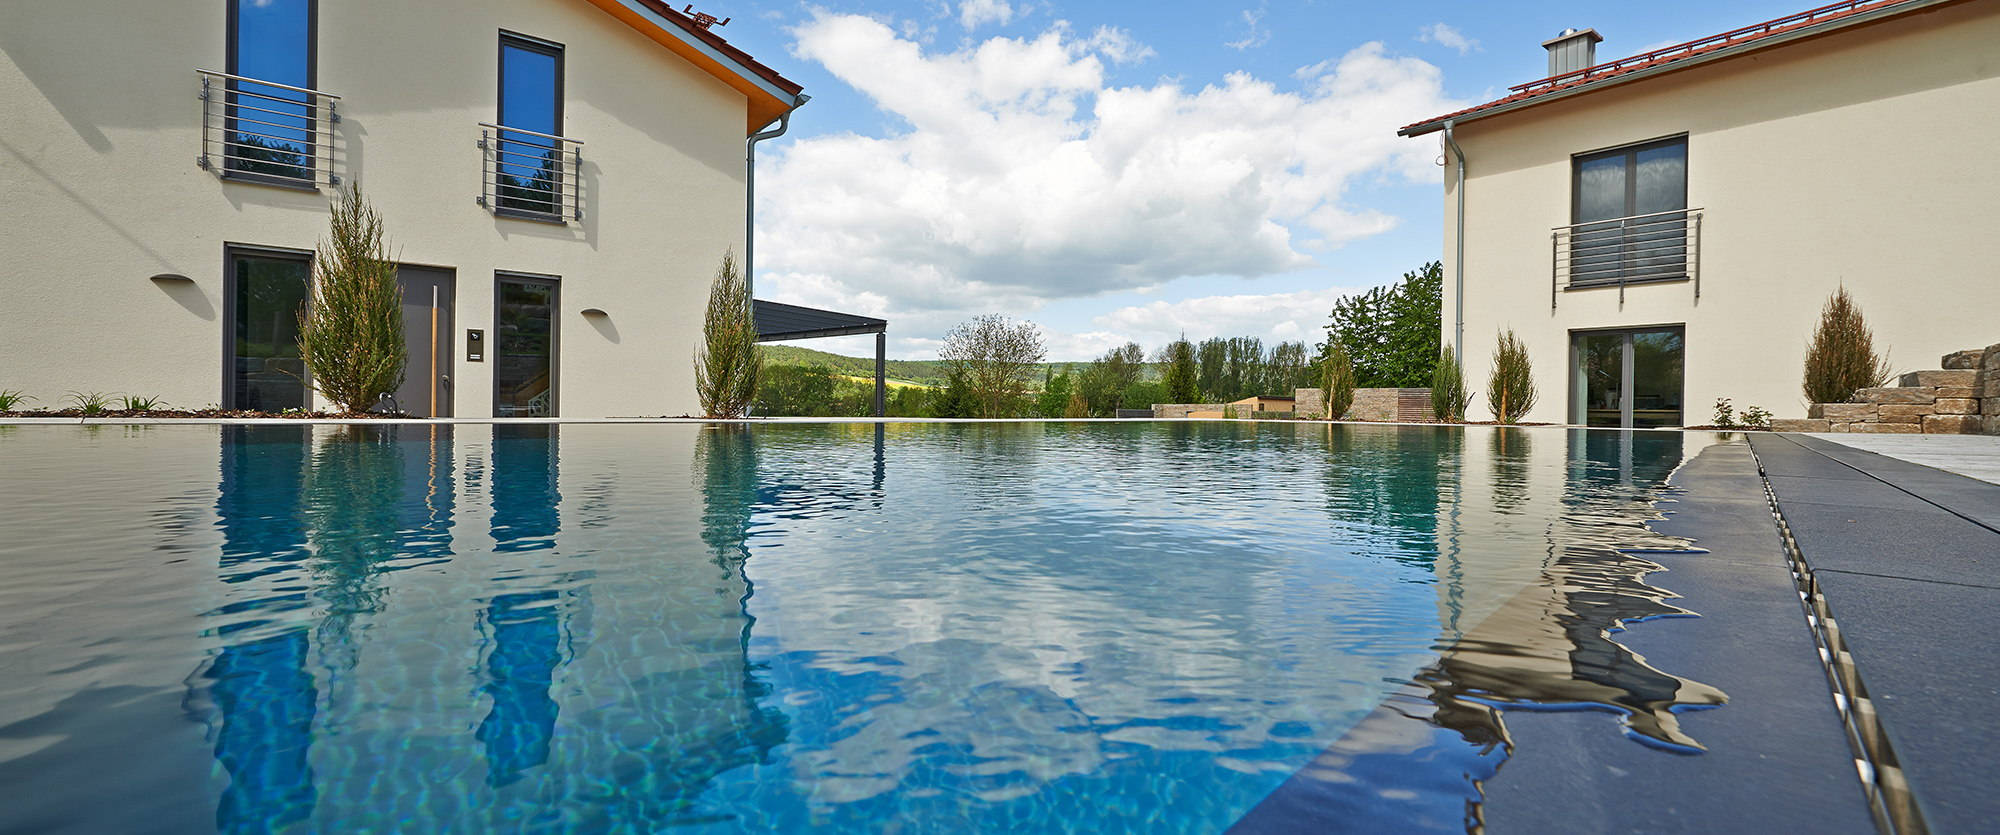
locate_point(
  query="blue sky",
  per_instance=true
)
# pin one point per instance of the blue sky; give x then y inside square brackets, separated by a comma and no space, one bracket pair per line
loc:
[1120,170]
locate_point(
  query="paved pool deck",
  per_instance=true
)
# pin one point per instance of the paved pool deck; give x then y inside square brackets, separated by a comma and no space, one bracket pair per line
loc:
[1973,456]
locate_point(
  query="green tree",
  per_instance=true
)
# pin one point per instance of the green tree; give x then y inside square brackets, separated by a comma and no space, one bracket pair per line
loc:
[1392,333]
[956,399]
[1143,394]
[1182,372]
[351,334]
[910,402]
[1510,389]
[1055,395]
[992,356]
[1104,381]
[1337,382]
[1841,359]
[1212,356]
[726,364]
[1286,369]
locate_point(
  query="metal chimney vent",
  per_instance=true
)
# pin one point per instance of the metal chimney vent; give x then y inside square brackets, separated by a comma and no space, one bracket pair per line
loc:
[1572,50]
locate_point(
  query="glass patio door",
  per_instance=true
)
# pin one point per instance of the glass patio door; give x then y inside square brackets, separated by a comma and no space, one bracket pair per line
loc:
[524,349]
[1627,378]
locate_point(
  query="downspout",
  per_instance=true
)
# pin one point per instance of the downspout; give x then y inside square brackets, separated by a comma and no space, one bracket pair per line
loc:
[750,191]
[1458,268]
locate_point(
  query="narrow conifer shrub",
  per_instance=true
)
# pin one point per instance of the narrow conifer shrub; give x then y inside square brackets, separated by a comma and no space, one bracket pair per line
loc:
[727,365]
[351,332]
[1510,389]
[1337,381]
[1448,395]
[1841,359]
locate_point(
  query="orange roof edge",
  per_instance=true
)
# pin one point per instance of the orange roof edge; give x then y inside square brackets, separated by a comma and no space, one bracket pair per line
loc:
[737,69]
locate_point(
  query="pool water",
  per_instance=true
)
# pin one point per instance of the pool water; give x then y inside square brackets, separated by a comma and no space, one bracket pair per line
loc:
[1131,627]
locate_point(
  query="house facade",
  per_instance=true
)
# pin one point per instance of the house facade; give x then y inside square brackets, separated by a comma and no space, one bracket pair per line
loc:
[558,180]
[1662,230]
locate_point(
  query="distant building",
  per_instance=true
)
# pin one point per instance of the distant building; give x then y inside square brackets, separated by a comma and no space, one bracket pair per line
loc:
[1661,230]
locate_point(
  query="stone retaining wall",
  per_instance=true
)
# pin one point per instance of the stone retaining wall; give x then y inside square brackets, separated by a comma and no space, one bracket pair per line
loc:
[1963,398]
[1380,404]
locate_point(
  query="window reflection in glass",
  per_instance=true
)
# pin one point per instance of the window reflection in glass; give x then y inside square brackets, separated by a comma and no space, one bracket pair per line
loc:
[524,349]
[269,129]
[528,167]
[267,373]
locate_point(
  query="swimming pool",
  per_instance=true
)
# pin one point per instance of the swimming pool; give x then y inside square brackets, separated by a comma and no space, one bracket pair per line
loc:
[1159,627]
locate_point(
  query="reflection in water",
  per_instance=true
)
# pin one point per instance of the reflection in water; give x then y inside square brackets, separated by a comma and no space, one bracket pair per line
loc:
[1061,627]
[1546,646]
[523,631]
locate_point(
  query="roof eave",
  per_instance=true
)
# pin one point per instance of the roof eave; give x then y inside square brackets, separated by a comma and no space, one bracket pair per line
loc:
[768,100]
[1834,25]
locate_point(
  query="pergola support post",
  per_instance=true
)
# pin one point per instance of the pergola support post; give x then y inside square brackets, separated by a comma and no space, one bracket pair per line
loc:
[881,378]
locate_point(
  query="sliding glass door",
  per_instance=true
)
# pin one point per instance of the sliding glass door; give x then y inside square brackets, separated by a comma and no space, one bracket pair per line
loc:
[264,293]
[1627,378]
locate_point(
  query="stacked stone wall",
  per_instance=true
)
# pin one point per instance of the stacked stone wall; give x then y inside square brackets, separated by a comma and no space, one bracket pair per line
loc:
[1963,398]
[1378,404]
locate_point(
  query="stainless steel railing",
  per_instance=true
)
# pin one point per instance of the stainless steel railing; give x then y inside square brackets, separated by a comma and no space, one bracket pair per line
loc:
[264,131]
[1660,246]
[529,174]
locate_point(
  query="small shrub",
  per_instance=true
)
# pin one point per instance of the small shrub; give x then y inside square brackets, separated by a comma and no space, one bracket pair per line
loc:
[1725,413]
[137,403]
[1231,412]
[1510,389]
[1337,381]
[727,365]
[1841,359]
[1448,395]
[89,402]
[11,399]
[1756,418]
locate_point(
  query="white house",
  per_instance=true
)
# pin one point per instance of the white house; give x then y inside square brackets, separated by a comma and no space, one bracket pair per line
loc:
[559,180]
[1663,229]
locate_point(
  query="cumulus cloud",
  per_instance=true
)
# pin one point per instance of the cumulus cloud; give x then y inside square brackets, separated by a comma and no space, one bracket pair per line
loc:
[1018,174]
[974,13]
[1444,35]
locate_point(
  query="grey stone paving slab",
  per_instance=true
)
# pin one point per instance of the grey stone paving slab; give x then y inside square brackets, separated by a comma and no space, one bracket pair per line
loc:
[1777,756]
[1925,654]
[1975,456]
[1915,586]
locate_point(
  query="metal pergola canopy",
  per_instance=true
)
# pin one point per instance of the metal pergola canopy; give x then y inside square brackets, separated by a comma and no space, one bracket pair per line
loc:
[778,322]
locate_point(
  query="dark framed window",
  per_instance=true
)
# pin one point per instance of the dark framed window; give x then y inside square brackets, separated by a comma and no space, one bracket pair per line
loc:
[263,293]
[525,344]
[270,131]
[528,162]
[1628,378]
[1629,205]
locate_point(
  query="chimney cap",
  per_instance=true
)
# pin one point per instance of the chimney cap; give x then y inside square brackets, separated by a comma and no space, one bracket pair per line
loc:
[1572,34]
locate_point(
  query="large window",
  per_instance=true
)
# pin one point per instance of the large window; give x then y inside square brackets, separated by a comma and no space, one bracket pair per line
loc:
[1627,378]
[1630,207]
[528,164]
[269,130]
[265,293]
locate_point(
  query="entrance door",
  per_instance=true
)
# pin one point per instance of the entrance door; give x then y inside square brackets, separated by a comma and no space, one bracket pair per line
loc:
[1627,378]
[263,294]
[427,327]
[524,346]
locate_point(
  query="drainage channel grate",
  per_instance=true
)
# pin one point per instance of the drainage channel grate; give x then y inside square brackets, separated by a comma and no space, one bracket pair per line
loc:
[1875,762]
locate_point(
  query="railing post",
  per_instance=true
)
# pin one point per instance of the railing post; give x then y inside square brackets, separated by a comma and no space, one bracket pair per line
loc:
[576,180]
[1694,265]
[1554,249]
[482,167]
[202,161]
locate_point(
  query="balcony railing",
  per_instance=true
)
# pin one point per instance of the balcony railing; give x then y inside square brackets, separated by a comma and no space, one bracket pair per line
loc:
[1661,246]
[530,175]
[266,132]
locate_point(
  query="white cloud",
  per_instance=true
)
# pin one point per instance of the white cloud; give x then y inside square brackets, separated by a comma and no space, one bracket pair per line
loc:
[1022,176]
[1253,20]
[1444,35]
[1118,46]
[974,13]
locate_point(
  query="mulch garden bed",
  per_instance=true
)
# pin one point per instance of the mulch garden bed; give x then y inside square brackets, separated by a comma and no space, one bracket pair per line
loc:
[198,414]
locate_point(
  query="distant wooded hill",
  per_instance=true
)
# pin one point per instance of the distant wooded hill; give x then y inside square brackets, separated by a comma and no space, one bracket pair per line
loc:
[921,372]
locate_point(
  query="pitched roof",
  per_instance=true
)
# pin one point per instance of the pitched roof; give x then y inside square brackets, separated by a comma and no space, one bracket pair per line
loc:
[1733,42]
[770,94]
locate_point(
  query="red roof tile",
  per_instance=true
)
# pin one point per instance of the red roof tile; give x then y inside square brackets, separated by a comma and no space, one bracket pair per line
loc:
[1732,39]
[677,18]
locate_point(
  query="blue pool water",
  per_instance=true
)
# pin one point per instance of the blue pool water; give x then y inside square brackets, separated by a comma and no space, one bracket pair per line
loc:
[1140,627]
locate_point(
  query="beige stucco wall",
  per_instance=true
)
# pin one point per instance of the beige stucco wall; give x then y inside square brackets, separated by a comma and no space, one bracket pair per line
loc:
[97,159]
[1859,158]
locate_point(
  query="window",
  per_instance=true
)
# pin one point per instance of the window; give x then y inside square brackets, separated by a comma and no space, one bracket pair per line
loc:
[269,131]
[1629,206]
[528,161]
[264,293]
[1627,378]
